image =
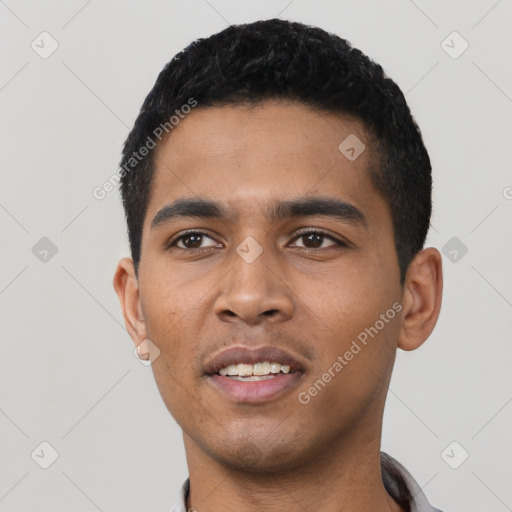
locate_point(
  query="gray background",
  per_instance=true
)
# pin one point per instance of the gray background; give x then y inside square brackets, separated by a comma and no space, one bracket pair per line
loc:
[68,374]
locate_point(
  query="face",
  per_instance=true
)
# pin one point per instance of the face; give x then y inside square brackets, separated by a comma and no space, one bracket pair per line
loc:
[301,286]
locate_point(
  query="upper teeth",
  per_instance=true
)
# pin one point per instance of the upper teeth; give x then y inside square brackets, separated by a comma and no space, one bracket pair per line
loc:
[254,369]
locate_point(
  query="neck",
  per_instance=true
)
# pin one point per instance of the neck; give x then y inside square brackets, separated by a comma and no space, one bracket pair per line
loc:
[345,476]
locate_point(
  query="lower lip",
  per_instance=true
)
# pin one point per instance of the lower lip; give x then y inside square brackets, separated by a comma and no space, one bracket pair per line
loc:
[255,391]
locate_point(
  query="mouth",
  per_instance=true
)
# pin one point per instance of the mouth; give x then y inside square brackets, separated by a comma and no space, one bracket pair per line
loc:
[254,372]
[249,376]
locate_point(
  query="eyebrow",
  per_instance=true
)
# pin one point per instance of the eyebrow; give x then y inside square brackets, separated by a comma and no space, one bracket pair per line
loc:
[277,211]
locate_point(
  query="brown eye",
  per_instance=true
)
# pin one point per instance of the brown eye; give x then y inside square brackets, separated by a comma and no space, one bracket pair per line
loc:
[315,240]
[192,240]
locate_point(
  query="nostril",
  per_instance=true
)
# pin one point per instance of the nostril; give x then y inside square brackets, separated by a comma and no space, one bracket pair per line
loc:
[270,312]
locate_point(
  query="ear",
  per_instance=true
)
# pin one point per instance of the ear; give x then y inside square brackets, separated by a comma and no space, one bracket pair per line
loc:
[423,289]
[127,288]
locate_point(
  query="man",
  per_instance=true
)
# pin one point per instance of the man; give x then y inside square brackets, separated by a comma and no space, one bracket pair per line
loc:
[278,195]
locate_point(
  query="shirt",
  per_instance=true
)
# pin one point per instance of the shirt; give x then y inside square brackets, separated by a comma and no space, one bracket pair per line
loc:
[398,482]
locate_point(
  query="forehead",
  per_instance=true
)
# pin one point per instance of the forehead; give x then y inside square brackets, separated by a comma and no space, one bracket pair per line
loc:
[247,157]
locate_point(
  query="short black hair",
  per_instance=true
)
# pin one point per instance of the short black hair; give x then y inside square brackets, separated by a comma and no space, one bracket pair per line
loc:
[278,59]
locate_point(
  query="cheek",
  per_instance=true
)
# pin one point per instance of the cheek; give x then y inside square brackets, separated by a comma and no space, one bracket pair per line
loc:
[350,381]
[366,323]
[170,295]
[350,297]
[171,312]
[360,313]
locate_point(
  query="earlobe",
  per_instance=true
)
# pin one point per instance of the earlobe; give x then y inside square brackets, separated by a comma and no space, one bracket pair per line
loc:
[127,289]
[421,299]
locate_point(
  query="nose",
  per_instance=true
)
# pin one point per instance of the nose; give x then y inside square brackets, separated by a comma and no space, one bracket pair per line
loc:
[253,293]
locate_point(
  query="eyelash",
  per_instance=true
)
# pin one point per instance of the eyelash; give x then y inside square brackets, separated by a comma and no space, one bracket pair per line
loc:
[299,234]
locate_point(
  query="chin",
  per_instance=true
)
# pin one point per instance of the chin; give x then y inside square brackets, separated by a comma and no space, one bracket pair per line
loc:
[255,460]
[262,457]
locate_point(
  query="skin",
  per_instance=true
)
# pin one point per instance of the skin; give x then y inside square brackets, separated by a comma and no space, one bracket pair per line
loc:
[281,454]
